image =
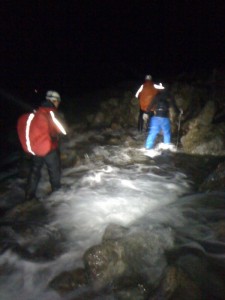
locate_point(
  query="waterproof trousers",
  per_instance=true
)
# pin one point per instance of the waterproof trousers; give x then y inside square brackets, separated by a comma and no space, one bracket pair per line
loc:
[158,124]
[52,161]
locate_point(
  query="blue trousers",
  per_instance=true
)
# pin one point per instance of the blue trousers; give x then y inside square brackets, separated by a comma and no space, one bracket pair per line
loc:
[158,124]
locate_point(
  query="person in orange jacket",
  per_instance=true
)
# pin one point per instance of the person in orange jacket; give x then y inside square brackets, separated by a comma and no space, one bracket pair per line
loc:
[44,129]
[145,95]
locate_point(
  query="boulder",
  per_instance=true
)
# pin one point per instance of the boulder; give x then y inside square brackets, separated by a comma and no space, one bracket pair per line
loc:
[135,254]
[203,137]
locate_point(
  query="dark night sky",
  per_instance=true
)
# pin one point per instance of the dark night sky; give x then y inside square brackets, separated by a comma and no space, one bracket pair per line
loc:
[58,44]
[79,46]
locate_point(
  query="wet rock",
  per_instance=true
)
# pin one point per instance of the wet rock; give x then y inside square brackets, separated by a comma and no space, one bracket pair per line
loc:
[216,180]
[69,281]
[144,253]
[114,141]
[32,210]
[136,255]
[68,158]
[38,241]
[114,232]
[8,237]
[194,266]
[219,229]
[116,126]
[206,116]
[130,142]
[100,120]
[200,271]
[176,285]
[132,293]
[104,263]
[203,137]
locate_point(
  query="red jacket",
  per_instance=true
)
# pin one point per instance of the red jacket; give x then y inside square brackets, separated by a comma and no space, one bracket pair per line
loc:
[38,131]
[145,94]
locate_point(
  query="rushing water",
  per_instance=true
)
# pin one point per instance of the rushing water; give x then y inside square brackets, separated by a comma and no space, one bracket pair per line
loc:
[112,184]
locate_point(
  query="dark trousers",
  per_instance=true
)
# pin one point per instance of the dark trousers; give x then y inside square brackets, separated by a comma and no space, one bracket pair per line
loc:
[52,161]
[141,121]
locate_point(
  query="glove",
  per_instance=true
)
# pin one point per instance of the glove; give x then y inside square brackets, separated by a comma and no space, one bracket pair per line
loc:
[145,117]
[181,111]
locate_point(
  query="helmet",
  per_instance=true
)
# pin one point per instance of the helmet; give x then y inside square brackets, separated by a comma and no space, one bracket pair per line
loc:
[148,77]
[159,86]
[53,95]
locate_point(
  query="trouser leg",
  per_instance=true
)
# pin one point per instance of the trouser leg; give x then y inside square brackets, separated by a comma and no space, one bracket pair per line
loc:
[154,130]
[34,177]
[150,115]
[140,121]
[166,130]
[52,161]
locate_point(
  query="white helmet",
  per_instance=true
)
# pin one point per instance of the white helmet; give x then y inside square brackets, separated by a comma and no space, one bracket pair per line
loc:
[159,86]
[53,95]
[148,77]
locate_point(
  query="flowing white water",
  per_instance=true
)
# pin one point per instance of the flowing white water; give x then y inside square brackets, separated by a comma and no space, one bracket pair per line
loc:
[115,185]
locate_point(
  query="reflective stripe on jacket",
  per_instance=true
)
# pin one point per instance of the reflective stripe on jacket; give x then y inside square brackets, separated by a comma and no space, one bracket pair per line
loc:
[38,132]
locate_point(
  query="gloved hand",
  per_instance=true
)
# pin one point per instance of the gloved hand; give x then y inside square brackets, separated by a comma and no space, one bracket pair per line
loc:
[145,117]
[181,111]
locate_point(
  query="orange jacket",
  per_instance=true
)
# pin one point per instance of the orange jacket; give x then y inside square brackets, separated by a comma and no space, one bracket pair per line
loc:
[146,95]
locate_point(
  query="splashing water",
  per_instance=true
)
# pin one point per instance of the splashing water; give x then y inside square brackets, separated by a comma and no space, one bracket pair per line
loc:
[116,184]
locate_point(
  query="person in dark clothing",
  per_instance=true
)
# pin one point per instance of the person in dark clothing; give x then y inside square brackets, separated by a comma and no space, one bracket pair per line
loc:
[160,121]
[48,127]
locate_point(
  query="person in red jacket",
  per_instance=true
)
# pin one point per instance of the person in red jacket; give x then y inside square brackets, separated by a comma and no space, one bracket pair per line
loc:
[145,95]
[42,142]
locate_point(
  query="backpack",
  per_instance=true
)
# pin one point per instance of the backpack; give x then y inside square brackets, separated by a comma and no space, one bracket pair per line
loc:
[162,105]
[33,133]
